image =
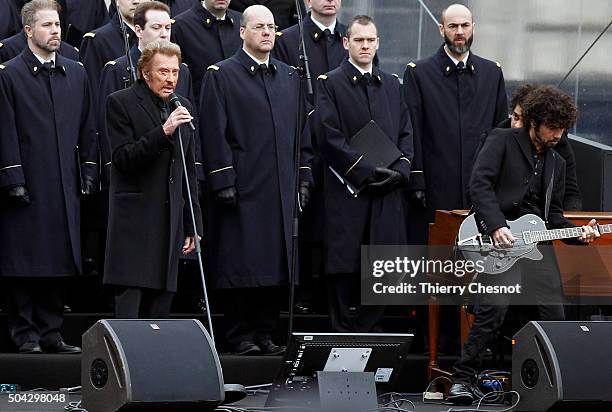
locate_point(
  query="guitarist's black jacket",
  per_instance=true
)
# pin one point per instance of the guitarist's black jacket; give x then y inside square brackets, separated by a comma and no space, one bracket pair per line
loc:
[501,177]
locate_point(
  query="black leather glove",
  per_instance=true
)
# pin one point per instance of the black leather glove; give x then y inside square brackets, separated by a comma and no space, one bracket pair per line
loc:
[304,192]
[417,197]
[227,196]
[89,185]
[18,195]
[385,180]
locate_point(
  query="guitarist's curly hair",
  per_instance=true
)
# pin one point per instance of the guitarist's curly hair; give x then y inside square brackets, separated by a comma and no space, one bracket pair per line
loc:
[549,106]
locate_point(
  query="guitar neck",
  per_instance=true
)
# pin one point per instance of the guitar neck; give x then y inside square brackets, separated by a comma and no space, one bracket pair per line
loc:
[566,233]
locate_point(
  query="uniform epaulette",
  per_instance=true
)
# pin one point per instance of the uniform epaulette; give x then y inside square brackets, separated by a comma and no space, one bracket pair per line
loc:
[110,62]
[172,21]
[279,33]
[90,34]
[81,64]
[498,65]
[213,67]
[395,74]
[76,49]
[2,67]
[322,77]
[184,64]
[1,45]
[411,65]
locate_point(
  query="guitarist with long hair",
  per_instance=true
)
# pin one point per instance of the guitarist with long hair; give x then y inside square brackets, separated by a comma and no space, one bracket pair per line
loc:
[517,172]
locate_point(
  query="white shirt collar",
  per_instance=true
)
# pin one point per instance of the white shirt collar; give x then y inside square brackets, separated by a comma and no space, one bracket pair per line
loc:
[266,62]
[42,61]
[455,61]
[222,18]
[322,27]
[359,68]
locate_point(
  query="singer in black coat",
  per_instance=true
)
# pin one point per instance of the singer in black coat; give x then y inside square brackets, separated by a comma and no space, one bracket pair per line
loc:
[204,40]
[103,45]
[116,76]
[15,44]
[149,214]
[449,111]
[342,108]
[247,127]
[10,21]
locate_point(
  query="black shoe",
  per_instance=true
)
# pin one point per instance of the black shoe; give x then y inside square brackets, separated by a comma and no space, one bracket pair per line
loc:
[269,348]
[460,394]
[61,347]
[247,348]
[30,347]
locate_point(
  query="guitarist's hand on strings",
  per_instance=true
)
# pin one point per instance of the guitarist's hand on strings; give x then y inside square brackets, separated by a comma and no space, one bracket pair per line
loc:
[589,233]
[503,238]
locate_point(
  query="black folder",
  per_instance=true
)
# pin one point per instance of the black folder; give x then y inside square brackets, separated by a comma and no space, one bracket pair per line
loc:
[375,146]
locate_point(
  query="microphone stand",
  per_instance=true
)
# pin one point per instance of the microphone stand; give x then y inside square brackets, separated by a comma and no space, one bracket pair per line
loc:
[304,71]
[126,44]
[198,248]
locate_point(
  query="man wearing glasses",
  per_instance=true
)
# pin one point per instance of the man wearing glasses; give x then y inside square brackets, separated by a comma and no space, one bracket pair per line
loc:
[249,109]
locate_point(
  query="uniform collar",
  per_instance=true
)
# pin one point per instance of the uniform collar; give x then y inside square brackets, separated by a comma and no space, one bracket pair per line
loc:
[447,65]
[354,74]
[115,22]
[315,29]
[208,19]
[35,64]
[250,64]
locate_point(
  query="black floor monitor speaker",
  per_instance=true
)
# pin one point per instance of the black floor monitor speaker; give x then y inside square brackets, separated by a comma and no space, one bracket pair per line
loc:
[563,366]
[150,365]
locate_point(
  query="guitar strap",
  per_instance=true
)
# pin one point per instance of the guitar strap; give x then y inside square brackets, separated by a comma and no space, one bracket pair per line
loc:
[549,190]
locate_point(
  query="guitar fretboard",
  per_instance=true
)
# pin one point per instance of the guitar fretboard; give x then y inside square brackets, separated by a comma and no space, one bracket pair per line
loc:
[567,233]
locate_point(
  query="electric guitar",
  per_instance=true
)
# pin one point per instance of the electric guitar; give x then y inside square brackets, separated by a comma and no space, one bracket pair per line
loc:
[528,231]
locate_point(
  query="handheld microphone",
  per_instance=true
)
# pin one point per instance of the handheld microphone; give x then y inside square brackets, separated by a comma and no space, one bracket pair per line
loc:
[176,102]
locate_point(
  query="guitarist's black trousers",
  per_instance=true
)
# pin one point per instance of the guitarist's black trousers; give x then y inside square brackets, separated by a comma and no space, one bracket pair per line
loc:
[541,286]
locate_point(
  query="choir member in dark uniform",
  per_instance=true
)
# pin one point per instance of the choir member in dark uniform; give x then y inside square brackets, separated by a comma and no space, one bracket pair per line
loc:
[323,42]
[83,16]
[149,215]
[176,6]
[207,34]
[151,23]
[247,125]
[107,42]
[453,97]
[517,172]
[48,156]
[347,99]
[15,44]
[284,11]
[10,23]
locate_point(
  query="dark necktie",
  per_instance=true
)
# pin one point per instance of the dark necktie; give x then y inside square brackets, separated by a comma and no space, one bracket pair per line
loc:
[328,35]
[48,66]
[263,68]
[164,112]
[368,78]
[461,67]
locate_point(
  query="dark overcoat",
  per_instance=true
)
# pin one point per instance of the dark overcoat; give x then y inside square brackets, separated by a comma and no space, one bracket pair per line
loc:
[247,126]
[115,76]
[284,11]
[44,118]
[450,110]
[149,213]
[176,6]
[345,103]
[82,16]
[15,44]
[204,40]
[10,22]
[101,46]
[500,180]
